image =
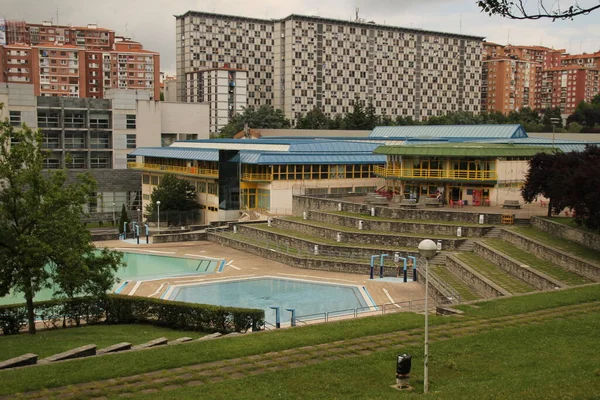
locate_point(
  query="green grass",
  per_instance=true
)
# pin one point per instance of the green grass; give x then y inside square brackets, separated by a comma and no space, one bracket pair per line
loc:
[532,261]
[47,343]
[495,274]
[119,365]
[410,221]
[365,232]
[556,359]
[565,245]
[466,293]
[570,222]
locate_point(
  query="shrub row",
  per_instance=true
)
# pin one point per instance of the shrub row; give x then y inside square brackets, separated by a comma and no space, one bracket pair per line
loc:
[118,309]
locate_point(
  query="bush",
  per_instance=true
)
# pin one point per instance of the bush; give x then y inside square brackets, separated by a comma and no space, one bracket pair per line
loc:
[118,309]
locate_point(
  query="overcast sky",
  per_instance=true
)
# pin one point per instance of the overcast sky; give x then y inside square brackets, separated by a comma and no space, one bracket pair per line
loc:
[152,23]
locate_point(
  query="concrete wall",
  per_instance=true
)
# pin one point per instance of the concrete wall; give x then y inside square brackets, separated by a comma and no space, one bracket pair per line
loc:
[380,239]
[179,237]
[299,262]
[184,118]
[306,203]
[474,279]
[566,261]
[397,227]
[580,236]
[535,278]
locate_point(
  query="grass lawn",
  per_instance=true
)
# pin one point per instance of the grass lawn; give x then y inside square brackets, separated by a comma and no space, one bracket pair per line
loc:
[410,221]
[557,359]
[47,343]
[560,244]
[120,365]
[495,273]
[570,222]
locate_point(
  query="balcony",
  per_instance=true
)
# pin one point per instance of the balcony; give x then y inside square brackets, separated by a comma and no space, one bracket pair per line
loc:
[435,174]
[252,177]
[194,171]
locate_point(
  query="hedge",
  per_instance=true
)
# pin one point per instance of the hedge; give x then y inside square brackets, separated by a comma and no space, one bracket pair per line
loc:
[119,309]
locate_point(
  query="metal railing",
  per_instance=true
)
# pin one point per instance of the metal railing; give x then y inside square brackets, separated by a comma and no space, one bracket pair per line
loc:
[175,169]
[252,177]
[422,173]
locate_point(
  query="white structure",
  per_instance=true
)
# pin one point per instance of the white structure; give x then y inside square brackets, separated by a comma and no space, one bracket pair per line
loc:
[223,89]
[299,62]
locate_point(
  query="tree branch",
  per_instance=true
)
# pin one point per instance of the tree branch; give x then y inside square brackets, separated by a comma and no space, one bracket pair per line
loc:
[517,10]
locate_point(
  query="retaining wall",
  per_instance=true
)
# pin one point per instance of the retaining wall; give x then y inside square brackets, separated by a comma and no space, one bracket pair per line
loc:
[397,226]
[474,279]
[308,245]
[362,238]
[588,239]
[564,260]
[178,237]
[299,262]
[535,278]
[307,203]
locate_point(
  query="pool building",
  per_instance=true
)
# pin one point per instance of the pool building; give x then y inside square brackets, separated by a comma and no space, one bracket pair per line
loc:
[473,164]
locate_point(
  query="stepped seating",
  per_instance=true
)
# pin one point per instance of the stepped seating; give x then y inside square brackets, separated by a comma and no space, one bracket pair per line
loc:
[495,274]
[466,292]
[534,262]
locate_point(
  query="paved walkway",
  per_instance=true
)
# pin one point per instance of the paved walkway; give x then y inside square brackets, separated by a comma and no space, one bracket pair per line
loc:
[206,373]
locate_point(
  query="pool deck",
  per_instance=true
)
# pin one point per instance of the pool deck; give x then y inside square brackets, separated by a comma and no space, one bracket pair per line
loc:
[244,265]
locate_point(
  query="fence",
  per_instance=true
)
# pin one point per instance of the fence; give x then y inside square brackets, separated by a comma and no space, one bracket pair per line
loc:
[171,218]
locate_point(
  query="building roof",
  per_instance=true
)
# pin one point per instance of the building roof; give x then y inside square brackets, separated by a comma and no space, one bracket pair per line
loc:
[564,145]
[451,131]
[177,152]
[280,158]
[332,146]
[235,144]
[463,150]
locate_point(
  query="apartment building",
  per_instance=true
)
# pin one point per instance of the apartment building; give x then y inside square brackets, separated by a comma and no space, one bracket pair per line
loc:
[566,86]
[225,91]
[510,75]
[299,62]
[584,60]
[76,61]
[98,135]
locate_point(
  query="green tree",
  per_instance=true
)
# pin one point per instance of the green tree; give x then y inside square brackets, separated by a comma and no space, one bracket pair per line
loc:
[337,122]
[43,242]
[124,218]
[174,194]
[357,118]
[314,119]
[586,114]
[266,117]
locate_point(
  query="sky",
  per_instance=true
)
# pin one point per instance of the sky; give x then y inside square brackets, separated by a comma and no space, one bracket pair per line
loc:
[152,22]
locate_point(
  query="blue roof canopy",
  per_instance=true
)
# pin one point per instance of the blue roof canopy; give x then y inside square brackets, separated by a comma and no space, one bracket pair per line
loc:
[451,131]
[177,152]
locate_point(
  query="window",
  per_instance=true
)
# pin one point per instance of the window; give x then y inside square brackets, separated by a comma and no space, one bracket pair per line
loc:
[48,119]
[131,159]
[100,160]
[51,163]
[74,120]
[99,140]
[131,143]
[145,179]
[130,121]
[74,140]
[154,180]
[100,122]
[51,140]
[75,161]
[15,118]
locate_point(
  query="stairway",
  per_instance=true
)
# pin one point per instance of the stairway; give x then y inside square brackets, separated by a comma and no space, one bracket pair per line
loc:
[439,259]
[493,233]
[522,222]
[467,245]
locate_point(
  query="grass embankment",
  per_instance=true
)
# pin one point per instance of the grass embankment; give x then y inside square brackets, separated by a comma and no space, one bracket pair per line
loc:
[47,343]
[565,245]
[550,360]
[532,261]
[365,232]
[570,222]
[349,373]
[495,274]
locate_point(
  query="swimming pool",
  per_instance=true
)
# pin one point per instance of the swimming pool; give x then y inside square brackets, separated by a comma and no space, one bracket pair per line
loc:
[306,297]
[142,267]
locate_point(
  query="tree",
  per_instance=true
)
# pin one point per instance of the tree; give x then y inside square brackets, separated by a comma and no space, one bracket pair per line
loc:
[174,194]
[357,118]
[520,9]
[586,114]
[266,117]
[43,242]
[583,187]
[314,119]
[124,218]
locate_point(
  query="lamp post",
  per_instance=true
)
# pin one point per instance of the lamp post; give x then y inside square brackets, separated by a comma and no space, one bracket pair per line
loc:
[554,121]
[427,249]
[113,210]
[158,205]
[139,216]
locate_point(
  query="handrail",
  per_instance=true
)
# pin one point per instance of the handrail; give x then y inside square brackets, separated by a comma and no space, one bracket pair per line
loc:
[451,174]
[174,168]
[257,177]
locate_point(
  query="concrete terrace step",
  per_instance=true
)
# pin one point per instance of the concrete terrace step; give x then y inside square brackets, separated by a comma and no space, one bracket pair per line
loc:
[115,348]
[180,340]
[211,336]
[467,245]
[493,233]
[83,351]
[21,361]
[495,274]
[153,343]
[466,292]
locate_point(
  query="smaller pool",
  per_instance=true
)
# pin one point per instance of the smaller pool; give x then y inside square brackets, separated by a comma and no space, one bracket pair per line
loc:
[305,296]
[141,267]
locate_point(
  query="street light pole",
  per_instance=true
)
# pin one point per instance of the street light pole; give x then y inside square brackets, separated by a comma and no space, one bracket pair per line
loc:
[158,205]
[113,210]
[554,121]
[427,249]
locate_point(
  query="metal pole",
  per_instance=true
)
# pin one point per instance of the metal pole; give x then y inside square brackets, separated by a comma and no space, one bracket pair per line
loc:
[426,367]
[158,205]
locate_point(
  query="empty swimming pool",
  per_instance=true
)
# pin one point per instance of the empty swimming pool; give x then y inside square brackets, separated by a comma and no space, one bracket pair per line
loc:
[142,267]
[305,296]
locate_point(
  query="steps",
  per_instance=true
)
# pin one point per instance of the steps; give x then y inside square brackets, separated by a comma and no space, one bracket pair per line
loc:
[439,259]
[467,245]
[493,233]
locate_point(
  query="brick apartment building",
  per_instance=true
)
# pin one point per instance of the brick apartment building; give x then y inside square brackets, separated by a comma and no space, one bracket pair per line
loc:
[76,61]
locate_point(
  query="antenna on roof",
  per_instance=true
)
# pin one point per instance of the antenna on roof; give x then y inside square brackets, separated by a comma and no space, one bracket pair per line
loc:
[356,10]
[57,15]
